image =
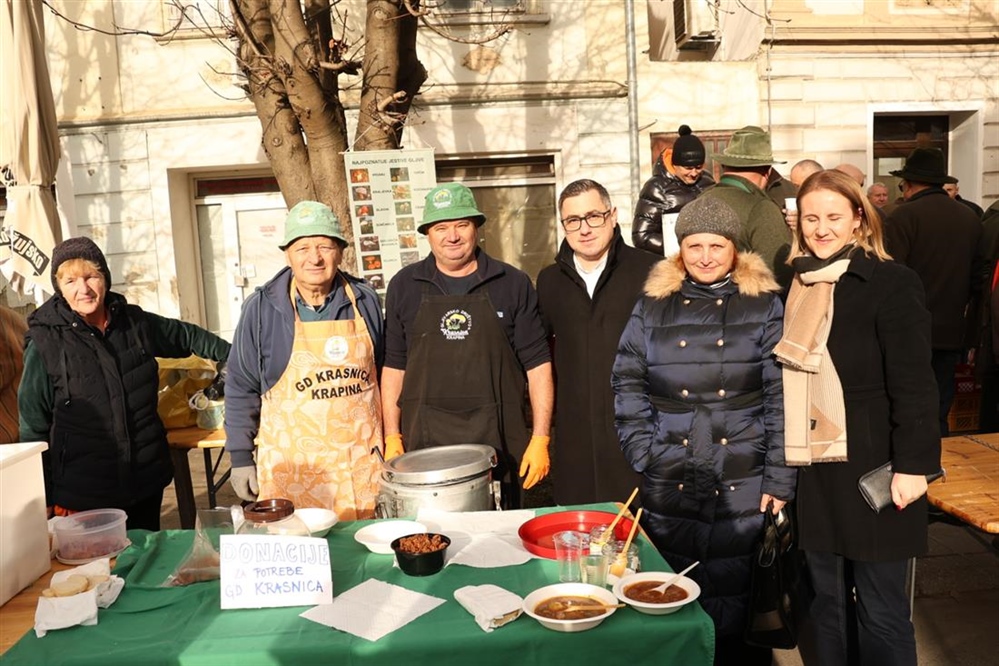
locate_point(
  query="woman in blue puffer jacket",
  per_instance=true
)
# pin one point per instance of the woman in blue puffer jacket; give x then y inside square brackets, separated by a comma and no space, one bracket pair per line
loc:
[699,411]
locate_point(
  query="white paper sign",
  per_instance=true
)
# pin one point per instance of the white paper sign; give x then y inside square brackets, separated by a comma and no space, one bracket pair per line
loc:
[259,571]
[670,244]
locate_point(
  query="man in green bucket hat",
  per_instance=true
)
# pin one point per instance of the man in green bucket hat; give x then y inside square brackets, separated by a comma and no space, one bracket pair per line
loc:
[747,162]
[462,337]
[302,408]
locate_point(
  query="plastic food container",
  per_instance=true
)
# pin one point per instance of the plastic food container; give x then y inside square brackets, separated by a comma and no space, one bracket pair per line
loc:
[90,535]
[421,564]
[24,536]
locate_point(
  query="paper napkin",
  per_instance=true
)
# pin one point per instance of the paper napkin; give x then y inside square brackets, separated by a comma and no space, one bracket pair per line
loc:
[373,609]
[490,605]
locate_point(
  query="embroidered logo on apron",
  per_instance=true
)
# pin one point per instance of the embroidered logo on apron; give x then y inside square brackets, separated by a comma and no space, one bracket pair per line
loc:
[336,349]
[456,324]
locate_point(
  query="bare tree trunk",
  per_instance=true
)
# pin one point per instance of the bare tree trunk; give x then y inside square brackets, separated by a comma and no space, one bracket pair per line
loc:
[392,74]
[282,138]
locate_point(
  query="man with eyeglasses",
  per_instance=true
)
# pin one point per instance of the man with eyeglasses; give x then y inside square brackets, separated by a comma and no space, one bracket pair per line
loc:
[669,190]
[747,163]
[586,297]
[463,337]
[305,430]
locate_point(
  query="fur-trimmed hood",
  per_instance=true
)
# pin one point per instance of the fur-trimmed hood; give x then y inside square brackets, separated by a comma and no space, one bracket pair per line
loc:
[750,274]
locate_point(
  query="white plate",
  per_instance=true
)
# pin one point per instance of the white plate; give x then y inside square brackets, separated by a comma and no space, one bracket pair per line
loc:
[93,559]
[603,595]
[692,588]
[378,537]
[319,521]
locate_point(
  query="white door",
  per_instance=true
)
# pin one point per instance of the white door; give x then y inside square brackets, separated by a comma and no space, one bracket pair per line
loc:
[238,237]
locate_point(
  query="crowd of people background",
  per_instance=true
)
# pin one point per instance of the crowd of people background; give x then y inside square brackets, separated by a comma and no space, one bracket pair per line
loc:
[763,342]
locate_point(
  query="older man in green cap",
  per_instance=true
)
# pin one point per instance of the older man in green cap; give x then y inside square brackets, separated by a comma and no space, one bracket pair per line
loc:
[747,163]
[314,422]
[462,336]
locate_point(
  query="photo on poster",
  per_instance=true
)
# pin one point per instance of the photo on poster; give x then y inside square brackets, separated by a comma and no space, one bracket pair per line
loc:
[369,244]
[364,210]
[398,174]
[409,257]
[377,281]
[402,192]
[362,193]
[407,241]
[360,176]
[372,262]
[405,224]
[403,207]
[366,225]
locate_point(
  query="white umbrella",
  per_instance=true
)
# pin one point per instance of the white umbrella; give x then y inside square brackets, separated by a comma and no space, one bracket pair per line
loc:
[29,148]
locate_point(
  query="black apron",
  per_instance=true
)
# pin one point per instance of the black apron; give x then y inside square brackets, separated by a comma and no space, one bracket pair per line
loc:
[464,383]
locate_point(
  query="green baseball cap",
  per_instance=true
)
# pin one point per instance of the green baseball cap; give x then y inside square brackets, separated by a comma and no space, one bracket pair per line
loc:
[450,201]
[311,218]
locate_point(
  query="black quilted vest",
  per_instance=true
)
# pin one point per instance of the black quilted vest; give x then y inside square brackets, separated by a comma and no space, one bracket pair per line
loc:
[107,445]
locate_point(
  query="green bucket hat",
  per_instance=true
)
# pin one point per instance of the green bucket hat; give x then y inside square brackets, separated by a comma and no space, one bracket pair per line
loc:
[450,201]
[749,147]
[311,218]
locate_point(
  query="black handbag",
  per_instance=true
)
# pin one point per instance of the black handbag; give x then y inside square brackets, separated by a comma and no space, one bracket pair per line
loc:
[774,596]
[875,486]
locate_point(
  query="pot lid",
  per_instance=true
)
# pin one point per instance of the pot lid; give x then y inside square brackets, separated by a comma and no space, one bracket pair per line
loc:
[440,464]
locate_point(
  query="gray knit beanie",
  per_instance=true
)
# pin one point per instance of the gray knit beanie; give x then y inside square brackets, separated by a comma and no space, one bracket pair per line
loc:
[79,248]
[708,215]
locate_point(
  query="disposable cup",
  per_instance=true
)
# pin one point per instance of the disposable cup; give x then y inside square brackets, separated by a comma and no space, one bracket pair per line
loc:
[593,569]
[569,548]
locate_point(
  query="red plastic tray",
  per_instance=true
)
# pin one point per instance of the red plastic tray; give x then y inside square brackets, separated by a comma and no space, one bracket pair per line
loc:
[537,533]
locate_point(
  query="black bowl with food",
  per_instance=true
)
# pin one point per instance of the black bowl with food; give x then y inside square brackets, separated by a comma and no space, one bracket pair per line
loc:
[421,554]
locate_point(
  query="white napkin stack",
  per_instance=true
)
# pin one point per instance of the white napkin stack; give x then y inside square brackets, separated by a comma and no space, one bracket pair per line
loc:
[373,609]
[61,612]
[491,606]
[483,539]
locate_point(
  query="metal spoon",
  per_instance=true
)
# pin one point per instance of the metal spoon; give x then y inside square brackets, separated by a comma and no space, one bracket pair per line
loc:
[669,581]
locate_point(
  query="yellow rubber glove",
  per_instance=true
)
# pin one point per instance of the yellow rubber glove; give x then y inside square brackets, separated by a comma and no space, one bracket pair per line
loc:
[393,446]
[536,463]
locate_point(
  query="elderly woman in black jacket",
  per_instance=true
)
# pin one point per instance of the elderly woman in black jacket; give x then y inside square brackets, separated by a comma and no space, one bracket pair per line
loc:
[699,411]
[859,393]
[90,387]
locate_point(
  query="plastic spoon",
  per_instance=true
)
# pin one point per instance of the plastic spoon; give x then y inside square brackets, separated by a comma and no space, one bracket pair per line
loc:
[669,581]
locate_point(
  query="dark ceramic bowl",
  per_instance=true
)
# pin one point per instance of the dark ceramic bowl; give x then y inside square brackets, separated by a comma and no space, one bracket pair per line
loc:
[420,564]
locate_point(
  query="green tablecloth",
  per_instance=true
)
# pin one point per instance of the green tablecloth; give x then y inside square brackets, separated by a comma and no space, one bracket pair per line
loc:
[185,626]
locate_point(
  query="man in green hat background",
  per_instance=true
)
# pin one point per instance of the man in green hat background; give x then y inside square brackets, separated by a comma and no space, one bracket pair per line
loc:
[462,336]
[305,430]
[938,238]
[747,163]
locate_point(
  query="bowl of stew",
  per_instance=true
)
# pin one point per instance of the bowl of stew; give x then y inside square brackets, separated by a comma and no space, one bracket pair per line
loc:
[636,590]
[570,607]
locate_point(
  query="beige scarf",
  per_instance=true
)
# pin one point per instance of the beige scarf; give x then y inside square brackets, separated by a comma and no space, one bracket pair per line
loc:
[814,410]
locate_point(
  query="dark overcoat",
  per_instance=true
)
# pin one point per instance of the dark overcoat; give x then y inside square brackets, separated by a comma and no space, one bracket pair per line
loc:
[939,239]
[880,345]
[588,465]
[699,409]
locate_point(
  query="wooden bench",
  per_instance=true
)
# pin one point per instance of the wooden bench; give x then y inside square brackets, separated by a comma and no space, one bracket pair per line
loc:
[181,441]
[970,491]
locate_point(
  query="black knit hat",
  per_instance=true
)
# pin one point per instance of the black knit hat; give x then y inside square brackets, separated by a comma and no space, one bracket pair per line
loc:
[688,150]
[79,248]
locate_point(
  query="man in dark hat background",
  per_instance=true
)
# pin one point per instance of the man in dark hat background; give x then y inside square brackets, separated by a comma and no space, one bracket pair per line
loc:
[667,192]
[939,239]
[747,163]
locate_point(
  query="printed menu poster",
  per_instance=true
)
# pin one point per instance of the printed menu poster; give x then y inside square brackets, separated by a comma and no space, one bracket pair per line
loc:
[387,188]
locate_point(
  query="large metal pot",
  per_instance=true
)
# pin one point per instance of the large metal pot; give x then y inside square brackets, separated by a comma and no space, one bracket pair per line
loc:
[448,478]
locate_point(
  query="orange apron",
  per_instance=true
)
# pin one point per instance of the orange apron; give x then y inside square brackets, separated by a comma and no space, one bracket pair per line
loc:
[320,421]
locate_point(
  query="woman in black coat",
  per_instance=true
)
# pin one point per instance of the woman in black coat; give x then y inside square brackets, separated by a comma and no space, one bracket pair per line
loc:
[865,397]
[698,408]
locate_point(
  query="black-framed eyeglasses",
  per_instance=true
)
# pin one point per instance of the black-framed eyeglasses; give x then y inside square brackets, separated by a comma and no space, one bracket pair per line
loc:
[594,220]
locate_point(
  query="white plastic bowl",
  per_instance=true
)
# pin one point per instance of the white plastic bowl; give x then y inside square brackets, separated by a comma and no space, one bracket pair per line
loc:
[692,588]
[319,521]
[600,594]
[378,537]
